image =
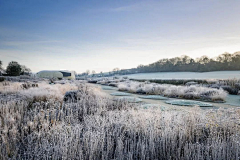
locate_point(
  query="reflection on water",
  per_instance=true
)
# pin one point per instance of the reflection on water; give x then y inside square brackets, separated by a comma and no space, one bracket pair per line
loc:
[233,100]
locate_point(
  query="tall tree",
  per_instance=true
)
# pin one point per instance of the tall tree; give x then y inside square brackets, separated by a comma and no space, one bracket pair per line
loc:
[13,69]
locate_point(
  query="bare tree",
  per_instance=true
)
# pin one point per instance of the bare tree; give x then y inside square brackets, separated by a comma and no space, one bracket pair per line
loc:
[116,70]
[25,70]
[93,72]
[87,72]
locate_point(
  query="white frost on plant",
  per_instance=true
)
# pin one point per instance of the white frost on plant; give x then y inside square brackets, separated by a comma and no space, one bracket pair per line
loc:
[188,92]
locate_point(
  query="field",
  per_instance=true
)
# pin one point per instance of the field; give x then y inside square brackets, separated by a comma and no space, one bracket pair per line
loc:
[38,122]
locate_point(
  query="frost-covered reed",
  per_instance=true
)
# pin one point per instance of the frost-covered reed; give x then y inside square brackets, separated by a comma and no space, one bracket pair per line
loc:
[96,127]
[48,92]
[42,92]
[186,92]
[9,88]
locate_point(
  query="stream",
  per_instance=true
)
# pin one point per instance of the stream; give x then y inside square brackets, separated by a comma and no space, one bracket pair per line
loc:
[232,101]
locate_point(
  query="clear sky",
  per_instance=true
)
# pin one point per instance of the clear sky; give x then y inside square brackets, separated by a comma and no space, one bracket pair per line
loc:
[101,35]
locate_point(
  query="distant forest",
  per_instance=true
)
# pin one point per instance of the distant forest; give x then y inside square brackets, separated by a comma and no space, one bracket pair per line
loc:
[224,62]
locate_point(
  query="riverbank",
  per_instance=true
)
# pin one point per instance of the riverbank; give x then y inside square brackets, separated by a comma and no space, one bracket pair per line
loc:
[231,101]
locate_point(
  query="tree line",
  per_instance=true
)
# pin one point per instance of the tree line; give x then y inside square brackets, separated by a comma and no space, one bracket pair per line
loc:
[15,69]
[223,62]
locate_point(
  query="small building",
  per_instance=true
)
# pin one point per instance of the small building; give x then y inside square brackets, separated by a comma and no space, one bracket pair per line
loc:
[56,74]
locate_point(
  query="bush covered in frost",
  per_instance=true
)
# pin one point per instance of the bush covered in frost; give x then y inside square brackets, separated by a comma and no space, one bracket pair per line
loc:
[186,92]
[96,127]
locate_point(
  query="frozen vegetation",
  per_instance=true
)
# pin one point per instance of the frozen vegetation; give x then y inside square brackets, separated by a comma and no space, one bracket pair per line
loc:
[152,106]
[36,123]
[215,90]
[232,86]
[173,91]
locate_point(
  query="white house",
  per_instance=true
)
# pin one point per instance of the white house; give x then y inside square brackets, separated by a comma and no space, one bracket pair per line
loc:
[56,74]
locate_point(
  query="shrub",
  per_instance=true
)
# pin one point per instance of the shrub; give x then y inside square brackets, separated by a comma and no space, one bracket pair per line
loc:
[187,92]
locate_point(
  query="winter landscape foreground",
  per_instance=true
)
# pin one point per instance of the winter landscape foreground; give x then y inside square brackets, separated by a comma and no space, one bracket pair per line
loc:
[77,120]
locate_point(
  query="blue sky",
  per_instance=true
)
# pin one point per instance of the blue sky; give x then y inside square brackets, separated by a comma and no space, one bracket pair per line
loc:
[101,35]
